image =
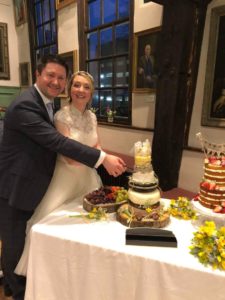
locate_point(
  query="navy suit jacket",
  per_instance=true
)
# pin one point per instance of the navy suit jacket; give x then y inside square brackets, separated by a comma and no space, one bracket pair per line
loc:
[28,151]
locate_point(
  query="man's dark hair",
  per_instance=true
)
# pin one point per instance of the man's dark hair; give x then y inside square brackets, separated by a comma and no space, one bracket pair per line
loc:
[50,58]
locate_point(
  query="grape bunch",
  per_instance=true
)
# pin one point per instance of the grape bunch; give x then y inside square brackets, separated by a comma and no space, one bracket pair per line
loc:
[121,195]
[106,195]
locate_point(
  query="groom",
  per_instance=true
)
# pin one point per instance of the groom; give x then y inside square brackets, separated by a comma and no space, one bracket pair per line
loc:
[27,159]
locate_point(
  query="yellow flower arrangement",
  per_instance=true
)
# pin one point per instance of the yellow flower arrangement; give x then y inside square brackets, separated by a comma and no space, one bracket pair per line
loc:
[182,209]
[98,214]
[208,245]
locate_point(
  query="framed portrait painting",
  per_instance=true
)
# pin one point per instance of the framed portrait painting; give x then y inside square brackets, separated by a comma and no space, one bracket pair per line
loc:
[63,3]
[19,11]
[24,70]
[213,108]
[71,59]
[145,60]
[4,52]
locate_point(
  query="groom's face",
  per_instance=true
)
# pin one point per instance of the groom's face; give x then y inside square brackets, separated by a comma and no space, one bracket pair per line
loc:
[52,80]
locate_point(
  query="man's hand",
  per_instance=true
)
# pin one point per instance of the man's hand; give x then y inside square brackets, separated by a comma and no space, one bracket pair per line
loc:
[114,165]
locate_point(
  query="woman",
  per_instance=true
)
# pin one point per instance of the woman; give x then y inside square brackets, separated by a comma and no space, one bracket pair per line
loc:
[70,177]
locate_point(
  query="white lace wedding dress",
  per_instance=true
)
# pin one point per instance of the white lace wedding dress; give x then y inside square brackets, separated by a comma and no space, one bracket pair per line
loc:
[68,182]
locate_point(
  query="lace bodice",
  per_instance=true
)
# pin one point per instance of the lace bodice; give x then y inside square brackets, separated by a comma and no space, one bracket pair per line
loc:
[82,126]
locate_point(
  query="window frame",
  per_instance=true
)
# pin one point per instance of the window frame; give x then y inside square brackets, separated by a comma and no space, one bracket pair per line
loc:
[83,57]
[32,30]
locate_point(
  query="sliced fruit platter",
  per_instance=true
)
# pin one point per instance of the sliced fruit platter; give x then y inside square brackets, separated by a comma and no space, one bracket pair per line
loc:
[108,197]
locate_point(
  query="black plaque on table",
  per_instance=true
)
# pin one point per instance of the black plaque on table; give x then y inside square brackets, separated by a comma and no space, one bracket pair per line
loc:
[145,236]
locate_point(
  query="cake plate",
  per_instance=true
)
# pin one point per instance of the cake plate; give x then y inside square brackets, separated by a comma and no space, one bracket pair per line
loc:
[206,214]
[124,219]
[108,207]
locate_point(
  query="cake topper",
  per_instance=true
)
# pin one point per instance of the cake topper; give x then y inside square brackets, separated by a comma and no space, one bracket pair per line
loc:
[211,149]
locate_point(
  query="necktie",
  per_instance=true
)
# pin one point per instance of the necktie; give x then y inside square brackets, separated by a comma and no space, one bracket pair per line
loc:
[49,106]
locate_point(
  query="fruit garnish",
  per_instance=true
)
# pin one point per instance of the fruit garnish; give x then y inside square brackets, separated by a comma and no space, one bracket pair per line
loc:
[217,209]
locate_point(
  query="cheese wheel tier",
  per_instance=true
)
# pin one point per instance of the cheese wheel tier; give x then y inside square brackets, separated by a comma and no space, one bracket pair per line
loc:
[144,198]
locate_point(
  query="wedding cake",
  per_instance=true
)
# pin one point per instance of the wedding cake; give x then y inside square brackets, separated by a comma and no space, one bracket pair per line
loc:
[143,207]
[143,184]
[212,186]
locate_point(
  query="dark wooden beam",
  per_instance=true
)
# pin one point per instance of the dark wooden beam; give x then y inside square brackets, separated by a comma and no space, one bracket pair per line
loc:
[178,58]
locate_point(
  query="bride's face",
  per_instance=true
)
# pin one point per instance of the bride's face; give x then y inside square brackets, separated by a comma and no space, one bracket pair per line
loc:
[80,91]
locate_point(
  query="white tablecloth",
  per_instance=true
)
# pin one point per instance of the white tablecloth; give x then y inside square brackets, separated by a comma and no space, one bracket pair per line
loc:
[71,259]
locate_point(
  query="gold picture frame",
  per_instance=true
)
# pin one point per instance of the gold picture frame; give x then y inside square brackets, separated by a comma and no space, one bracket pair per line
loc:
[24,70]
[63,3]
[4,53]
[71,58]
[145,41]
[213,108]
[20,12]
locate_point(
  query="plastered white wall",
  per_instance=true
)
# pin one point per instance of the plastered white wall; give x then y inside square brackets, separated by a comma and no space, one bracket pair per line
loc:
[67,28]
[146,16]
[121,140]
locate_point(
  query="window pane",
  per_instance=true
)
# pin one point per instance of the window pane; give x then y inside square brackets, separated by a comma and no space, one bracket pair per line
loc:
[121,102]
[38,14]
[46,50]
[124,8]
[95,101]
[105,101]
[93,70]
[94,13]
[121,71]
[53,49]
[122,38]
[109,13]
[52,8]
[46,13]
[106,42]
[92,45]
[106,73]
[53,32]
[47,32]
[40,36]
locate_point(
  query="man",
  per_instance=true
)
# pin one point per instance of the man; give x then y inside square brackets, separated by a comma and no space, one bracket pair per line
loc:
[27,160]
[146,77]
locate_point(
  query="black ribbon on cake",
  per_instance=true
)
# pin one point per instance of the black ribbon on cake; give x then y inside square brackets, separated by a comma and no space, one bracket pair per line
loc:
[145,236]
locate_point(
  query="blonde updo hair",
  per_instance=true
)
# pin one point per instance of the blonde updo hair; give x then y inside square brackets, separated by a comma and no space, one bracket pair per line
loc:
[87,76]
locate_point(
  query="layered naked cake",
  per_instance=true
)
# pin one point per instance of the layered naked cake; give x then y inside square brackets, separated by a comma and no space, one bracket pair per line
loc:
[212,187]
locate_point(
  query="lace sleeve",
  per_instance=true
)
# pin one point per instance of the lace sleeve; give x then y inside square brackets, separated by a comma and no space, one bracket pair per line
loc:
[63,116]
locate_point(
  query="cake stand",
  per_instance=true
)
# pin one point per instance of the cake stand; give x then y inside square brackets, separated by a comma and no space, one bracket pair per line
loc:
[206,214]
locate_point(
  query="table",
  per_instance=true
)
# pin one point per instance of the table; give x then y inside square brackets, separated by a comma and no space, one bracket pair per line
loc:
[71,259]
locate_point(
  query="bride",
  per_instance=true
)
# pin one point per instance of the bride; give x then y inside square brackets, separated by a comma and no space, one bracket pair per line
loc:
[70,178]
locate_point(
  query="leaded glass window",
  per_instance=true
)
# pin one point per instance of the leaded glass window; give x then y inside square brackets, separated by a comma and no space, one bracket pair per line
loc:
[43,28]
[108,55]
